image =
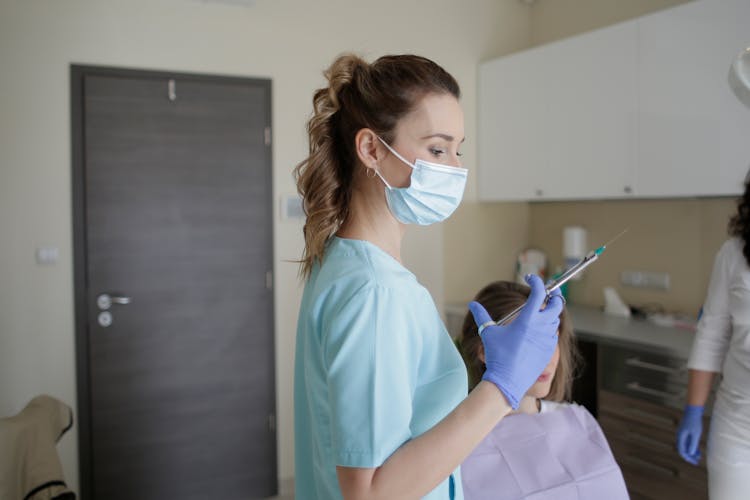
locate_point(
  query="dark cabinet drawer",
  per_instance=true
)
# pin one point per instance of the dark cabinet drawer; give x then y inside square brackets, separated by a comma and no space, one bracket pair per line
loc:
[644,375]
[642,437]
[655,476]
[643,413]
[642,483]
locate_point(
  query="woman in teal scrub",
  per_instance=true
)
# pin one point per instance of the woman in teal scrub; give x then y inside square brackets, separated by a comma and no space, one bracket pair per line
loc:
[381,404]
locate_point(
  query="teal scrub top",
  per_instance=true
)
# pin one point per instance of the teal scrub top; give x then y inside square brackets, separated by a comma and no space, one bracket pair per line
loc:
[374,368]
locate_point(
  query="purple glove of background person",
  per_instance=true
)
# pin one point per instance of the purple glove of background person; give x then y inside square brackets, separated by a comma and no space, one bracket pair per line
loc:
[689,434]
[516,354]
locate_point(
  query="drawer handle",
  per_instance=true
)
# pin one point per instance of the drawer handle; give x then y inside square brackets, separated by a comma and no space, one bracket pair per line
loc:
[636,387]
[649,441]
[650,416]
[645,464]
[638,363]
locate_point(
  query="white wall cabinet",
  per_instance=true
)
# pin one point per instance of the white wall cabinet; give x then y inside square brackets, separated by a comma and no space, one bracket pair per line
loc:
[591,124]
[639,109]
[693,133]
[513,158]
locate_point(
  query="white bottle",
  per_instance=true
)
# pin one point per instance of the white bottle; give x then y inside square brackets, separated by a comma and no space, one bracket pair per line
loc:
[574,246]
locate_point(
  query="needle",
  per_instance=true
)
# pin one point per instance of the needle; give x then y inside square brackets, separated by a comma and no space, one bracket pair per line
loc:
[614,239]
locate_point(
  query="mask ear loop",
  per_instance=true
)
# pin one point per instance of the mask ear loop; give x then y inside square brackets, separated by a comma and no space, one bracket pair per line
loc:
[375,170]
[395,152]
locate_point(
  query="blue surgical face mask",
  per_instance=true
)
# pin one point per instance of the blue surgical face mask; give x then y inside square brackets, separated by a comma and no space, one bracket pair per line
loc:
[434,193]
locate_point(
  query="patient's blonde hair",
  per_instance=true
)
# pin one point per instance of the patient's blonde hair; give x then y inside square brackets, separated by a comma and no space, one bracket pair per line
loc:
[500,298]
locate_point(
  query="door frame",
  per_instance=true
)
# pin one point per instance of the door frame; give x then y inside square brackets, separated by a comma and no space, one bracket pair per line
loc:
[78,72]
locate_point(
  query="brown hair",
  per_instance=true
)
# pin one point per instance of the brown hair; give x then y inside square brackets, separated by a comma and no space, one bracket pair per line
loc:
[359,95]
[739,224]
[500,298]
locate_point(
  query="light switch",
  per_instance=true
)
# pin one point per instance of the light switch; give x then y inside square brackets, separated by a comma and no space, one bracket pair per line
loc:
[47,256]
[291,207]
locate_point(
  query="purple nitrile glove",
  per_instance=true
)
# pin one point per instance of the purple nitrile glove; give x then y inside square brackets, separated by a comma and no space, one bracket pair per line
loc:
[516,354]
[689,434]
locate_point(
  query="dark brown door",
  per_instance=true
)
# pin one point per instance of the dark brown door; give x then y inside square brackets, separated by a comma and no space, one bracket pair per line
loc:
[173,244]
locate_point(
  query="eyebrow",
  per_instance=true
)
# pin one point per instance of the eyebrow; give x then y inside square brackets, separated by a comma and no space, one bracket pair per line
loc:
[447,137]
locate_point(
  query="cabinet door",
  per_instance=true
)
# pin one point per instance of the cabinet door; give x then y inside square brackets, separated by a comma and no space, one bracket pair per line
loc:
[512,120]
[591,91]
[693,134]
[640,108]
[558,122]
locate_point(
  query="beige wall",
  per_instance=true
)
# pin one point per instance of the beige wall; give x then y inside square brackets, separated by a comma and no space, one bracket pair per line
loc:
[482,241]
[678,237]
[289,41]
[555,19]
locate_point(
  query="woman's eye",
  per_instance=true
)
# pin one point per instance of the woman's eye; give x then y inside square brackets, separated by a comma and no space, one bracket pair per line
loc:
[437,152]
[459,154]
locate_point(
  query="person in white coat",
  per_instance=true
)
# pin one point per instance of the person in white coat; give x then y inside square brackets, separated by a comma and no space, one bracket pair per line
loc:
[722,346]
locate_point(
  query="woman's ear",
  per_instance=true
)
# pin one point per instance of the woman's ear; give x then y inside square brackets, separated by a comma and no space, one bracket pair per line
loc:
[369,149]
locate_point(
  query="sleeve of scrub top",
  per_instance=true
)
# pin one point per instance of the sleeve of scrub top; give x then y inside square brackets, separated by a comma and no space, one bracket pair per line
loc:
[371,353]
[715,327]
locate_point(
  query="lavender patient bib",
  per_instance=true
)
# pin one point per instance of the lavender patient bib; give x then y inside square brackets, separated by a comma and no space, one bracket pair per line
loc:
[559,454]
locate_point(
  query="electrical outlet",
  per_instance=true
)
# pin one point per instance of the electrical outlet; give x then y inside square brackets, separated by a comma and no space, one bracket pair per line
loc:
[645,279]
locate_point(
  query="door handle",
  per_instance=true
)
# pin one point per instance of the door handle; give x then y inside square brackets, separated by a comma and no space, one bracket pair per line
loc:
[105,301]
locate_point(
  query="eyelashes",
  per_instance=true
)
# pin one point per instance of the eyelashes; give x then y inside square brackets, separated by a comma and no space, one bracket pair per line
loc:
[437,153]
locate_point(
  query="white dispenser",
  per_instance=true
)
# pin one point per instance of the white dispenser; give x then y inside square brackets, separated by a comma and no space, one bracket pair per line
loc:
[574,246]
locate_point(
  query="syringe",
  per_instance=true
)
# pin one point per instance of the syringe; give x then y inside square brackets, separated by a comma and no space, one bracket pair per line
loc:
[582,264]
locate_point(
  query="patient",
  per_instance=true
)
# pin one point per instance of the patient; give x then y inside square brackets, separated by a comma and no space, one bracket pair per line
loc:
[548,448]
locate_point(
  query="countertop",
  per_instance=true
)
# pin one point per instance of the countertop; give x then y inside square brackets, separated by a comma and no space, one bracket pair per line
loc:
[590,323]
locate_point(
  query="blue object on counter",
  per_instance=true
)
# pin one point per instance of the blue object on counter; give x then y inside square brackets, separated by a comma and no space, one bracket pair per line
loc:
[564,287]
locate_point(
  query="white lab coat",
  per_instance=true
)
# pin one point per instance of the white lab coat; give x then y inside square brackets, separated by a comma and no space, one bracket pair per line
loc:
[722,344]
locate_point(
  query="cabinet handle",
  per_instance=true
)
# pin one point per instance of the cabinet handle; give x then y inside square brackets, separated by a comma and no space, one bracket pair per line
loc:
[637,412]
[636,362]
[636,387]
[645,464]
[649,441]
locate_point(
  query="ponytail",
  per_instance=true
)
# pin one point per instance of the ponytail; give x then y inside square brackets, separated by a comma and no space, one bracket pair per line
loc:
[323,179]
